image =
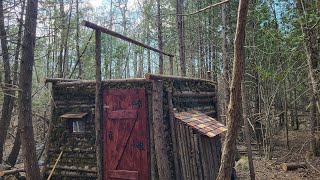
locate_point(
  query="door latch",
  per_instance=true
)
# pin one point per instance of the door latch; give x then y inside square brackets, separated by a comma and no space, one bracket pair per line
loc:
[139,145]
[138,103]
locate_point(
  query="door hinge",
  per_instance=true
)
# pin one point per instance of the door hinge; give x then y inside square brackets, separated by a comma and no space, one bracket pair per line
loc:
[139,145]
[138,103]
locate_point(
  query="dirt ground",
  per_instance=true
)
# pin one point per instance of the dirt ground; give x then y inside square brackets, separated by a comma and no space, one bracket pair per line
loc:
[271,169]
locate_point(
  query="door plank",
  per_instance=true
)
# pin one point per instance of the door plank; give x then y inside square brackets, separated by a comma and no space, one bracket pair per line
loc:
[125,133]
[123,114]
[123,174]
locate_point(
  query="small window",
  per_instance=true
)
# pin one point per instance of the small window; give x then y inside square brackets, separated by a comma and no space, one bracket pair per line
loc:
[75,122]
[78,126]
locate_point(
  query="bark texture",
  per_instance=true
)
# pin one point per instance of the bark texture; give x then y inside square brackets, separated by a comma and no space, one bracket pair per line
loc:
[160,43]
[12,158]
[25,100]
[7,99]
[180,29]
[98,108]
[234,115]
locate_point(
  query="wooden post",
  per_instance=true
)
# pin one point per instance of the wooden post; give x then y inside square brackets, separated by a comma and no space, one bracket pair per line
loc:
[209,75]
[159,132]
[98,108]
[171,65]
[173,135]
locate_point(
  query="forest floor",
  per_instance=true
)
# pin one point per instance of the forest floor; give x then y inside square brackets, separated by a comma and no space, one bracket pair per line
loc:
[299,143]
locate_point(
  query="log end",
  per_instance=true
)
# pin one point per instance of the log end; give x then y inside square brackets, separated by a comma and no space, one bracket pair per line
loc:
[147,76]
[84,22]
[293,166]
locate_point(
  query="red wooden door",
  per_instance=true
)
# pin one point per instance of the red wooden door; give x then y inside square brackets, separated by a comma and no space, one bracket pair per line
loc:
[125,134]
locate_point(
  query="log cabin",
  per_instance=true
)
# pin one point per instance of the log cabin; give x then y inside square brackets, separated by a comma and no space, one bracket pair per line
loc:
[157,127]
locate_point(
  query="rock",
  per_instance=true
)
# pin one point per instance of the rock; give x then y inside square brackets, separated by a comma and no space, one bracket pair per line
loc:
[242,164]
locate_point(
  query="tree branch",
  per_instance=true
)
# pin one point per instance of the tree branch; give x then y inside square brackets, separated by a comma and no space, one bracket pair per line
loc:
[203,9]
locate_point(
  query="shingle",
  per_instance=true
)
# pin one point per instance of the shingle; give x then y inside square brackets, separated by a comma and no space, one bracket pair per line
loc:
[202,123]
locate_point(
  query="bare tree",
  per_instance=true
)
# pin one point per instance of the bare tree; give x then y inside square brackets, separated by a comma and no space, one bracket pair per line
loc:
[234,115]
[12,158]
[180,30]
[7,100]
[311,46]
[25,100]
[225,57]
[160,43]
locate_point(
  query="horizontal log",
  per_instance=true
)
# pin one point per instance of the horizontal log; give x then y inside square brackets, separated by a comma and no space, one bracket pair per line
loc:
[57,150]
[210,112]
[75,175]
[178,78]
[53,80]
[194,100]
[76,106]
[193,94]
[11,171]
[120,36]
[293,166]
[68,102]
[65,168]
[93,82]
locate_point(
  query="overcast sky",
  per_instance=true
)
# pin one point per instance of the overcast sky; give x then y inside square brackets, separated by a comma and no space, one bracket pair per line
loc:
[95,3]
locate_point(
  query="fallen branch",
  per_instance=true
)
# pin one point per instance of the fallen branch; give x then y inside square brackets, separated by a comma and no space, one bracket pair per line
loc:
[11,171]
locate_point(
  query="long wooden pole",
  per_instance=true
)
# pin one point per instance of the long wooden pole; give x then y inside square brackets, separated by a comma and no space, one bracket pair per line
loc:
[98,108]
[55,165]
[120,36]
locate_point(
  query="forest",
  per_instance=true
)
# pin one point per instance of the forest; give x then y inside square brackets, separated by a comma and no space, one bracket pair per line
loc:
[263,57]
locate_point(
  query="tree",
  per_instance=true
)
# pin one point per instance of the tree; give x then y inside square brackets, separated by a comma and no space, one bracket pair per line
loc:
[12,158]
[160,43]
[225,57]
[25,100]
[310,31]
[234,115]
[7,100]
[180,30]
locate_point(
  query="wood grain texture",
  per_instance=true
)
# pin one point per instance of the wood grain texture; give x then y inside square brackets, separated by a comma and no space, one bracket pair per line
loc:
[161,145]
[125,136]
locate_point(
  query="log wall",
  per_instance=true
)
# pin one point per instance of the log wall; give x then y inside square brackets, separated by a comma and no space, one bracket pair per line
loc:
[79,156]
[198,156]
[190,155]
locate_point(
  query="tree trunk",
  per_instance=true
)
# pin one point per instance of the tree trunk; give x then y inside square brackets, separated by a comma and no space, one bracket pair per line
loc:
[235,108]
[25,101]
[225,58]
[7,99]
[310,45]
[160,43]
[200,45]
[12,158]
[180,30]
[66,47]
[247,131]
[140,68]
[296,119]
[286,113]
[62,34]
[77,40]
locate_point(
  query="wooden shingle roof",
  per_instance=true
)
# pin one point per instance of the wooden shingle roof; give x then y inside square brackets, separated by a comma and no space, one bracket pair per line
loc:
[204,124]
